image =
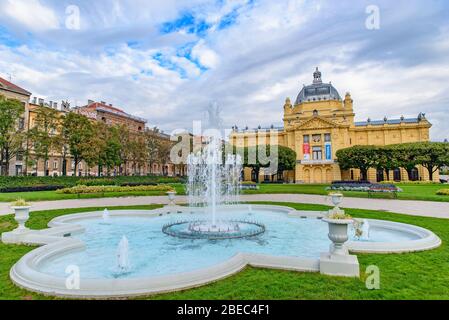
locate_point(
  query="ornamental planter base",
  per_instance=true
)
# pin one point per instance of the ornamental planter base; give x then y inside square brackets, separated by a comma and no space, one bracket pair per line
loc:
[16,236]
[339,265]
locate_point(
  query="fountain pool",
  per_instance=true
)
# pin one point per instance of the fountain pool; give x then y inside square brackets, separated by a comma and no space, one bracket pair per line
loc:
[157,262]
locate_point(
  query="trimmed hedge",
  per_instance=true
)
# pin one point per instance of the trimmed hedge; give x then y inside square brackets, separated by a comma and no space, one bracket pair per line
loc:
[66,182]
[30,189]
[105,189]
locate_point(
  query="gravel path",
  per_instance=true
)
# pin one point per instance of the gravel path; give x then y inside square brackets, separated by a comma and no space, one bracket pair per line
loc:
[416,208]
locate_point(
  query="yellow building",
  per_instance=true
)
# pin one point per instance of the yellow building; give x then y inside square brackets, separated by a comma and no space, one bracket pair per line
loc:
[320,123]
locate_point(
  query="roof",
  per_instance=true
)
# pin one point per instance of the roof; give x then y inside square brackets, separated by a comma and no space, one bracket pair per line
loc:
[102,107]
[387,121]
[317,91]
[6,85]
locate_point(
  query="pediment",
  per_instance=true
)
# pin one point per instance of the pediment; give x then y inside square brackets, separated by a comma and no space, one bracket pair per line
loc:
[317,123]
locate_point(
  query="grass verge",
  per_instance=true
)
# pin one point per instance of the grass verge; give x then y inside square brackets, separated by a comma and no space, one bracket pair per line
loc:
[422,275]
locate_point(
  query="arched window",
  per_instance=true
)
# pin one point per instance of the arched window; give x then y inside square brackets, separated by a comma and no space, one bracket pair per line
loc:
[397,174]
[380,175]
[414,174]
[315,113]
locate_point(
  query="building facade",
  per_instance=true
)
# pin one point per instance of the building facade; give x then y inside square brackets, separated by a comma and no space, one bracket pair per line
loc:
[12,91]
[58,164]
[319,123]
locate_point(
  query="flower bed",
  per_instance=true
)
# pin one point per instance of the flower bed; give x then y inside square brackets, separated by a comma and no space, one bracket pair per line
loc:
[443,192]
[363,186]
[248,185]
[105,189]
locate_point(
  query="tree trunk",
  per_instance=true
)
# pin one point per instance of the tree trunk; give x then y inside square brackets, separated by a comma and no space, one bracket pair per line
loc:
[364,174]
[430,169]
[387,171]
[6,160]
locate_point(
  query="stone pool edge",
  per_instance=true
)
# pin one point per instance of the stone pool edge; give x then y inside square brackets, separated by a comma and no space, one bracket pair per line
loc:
[57,240]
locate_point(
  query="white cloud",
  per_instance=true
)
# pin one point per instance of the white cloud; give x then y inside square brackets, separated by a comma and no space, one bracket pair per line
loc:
[267,54]
[32,14]
[206,56]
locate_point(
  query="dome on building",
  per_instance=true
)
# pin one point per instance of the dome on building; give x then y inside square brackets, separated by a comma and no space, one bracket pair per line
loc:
[317,91]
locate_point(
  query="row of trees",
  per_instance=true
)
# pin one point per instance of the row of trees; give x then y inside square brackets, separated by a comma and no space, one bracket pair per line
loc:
[430,155]
[74,136]
[262,157]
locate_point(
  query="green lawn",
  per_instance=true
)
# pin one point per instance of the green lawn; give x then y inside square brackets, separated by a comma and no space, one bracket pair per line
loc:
[425,192]
[52,195]
[423,275]
[410,192]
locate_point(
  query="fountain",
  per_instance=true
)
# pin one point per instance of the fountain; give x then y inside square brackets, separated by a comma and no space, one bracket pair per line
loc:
[213,181]
[106,215]
[365,230]
[123,255]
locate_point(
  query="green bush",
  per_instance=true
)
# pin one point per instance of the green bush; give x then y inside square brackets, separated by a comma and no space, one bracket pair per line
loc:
[443,192]
[409,182]
[66,182]
[105,189]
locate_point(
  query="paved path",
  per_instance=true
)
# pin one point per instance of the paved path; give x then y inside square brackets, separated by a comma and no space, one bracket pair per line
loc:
[417,208]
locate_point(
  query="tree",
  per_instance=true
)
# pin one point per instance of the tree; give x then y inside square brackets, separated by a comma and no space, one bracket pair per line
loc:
[138,152]
[78,133]
[405,156]
[106,147]
[44,135]
[251,157]
[11,135]
[357,157]
[125,142]
[163,154]
[152,146]
[431,155]
[385,159]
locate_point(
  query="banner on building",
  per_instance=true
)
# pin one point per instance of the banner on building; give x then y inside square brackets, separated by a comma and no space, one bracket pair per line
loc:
[306,151]
[328,151]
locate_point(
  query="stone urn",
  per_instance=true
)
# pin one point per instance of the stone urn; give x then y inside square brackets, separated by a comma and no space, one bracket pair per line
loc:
[171,197]
[337,198]
[21,215]
[338,234]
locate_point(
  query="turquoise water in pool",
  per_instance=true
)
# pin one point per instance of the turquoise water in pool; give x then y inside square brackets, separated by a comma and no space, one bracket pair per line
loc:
[152,253]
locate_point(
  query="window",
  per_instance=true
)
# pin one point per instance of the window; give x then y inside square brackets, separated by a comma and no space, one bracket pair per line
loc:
[21,123]
[317,153]
[19,156]
[327,137]
[55,165]
[397,174]
[380,175]
[306,139]
[315,113]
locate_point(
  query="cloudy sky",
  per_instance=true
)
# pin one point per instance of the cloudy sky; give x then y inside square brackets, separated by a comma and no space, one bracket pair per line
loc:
[167,60]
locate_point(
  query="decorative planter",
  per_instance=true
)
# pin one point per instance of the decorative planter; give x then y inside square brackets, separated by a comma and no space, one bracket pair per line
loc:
[171,197]
[21,215]
[337,198]
[338,234]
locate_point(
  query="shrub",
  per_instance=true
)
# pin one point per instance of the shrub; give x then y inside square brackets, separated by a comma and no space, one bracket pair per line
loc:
[443,192]
[66,182]
[409,182]
[119,189]
[20,203]
[363,186]
[96,182]
[30,189]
